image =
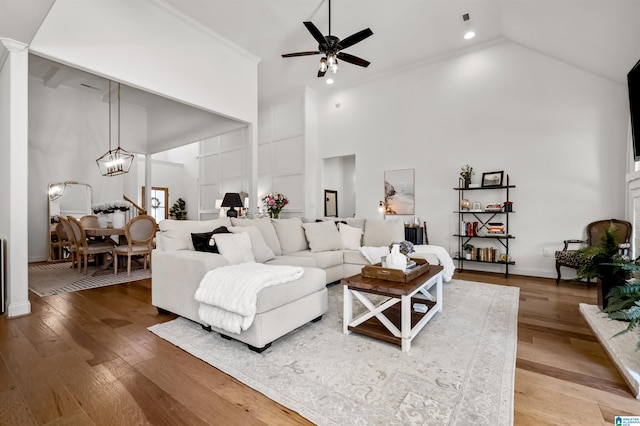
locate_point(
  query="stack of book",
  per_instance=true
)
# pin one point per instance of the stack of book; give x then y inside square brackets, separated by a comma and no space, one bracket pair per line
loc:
[495,228]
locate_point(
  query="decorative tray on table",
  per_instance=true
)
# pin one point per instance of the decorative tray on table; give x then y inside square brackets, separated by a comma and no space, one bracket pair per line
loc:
[389,274]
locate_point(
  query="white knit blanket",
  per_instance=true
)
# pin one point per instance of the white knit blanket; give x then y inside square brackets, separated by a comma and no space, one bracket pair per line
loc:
[228,295]
[443,256]
[374,254]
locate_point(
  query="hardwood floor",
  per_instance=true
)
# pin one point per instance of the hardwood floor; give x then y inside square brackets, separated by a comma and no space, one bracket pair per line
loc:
[87,358]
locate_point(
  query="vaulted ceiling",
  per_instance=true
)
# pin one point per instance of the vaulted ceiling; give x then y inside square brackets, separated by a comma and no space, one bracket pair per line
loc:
[599,36]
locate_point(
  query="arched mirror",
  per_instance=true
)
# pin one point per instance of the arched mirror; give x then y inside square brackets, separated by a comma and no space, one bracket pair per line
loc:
[65,199]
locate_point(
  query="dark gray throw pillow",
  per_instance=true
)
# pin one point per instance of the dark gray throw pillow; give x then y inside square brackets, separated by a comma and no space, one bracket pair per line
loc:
[201,240]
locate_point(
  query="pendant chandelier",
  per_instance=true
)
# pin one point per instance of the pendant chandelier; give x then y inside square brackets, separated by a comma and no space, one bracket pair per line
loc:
[117,161]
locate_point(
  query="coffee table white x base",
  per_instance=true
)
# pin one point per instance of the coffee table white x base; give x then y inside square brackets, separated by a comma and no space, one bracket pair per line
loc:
[407,333]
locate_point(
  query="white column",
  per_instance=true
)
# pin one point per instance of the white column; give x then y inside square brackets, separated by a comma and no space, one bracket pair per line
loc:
[148,184]
[14,148]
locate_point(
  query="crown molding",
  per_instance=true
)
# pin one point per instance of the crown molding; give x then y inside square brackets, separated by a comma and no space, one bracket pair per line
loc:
[207,31]
[13,45]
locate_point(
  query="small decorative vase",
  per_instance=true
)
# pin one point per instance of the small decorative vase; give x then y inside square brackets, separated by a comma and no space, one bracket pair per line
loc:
[467,182]
[118,219]
[274,214]
[103,221]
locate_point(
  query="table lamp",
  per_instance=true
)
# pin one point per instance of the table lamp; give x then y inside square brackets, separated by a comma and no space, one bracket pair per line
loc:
[232,200]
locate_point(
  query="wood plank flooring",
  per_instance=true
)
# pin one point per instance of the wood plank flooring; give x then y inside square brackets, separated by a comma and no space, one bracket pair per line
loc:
[87,358]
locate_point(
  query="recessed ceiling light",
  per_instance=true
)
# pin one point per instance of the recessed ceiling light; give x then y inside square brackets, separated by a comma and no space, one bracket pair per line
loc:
[329,81]
[469,35]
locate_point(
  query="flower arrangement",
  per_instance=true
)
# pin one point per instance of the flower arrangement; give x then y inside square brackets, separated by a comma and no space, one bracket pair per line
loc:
[405,247]
[111,207]
[274,203]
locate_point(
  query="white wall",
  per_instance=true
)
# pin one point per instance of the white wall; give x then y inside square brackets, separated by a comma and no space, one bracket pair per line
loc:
[150,46]
[177,169]
[68,130]
[559,132]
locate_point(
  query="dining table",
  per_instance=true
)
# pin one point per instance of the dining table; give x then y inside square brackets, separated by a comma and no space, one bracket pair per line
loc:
[103,232]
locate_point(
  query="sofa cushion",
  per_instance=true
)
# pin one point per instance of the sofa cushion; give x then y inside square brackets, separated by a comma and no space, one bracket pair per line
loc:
[378,233]
[176,234]
[261,251]
[350,236]
[324,259]
[290,234]
[235,248]
[313,280]
[265,226]
[355,257]
[202,241]
[293,261]
[322,236]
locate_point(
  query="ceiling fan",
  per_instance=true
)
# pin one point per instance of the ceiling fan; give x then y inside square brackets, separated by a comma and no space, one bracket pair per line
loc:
[331,47]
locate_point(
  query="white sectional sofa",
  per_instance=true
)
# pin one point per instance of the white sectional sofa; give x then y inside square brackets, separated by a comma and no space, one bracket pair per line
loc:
[326,253]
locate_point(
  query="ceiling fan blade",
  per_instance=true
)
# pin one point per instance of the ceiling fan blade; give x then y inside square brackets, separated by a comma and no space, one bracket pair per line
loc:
[321,73]
[355,38]
[315,32]
[291,55]
[353,59]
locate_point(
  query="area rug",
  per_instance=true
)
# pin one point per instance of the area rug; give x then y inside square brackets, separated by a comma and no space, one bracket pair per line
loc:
[621,349]
[460,369]
[55,278]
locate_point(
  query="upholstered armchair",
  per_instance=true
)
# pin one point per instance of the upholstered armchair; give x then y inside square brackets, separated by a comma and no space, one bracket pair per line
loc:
[573,258]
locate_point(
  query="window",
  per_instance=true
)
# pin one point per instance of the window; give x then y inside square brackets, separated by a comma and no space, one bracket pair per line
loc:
[159,202]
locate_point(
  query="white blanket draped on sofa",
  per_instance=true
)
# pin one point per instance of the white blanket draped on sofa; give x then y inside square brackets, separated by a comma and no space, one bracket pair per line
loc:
[374,254]
[228,295]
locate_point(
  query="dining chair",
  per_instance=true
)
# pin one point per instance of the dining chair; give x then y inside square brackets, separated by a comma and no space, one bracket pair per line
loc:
[91,221]
[84,249]
[139,232]
[73,245]
[61,245]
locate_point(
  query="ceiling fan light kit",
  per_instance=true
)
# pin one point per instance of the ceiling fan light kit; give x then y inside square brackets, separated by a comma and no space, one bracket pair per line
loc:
[331,47]
[468,29]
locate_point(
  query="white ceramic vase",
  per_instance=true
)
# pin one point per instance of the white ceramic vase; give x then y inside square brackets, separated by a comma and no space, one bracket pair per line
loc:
[396,260]
[118,219]
[103,221]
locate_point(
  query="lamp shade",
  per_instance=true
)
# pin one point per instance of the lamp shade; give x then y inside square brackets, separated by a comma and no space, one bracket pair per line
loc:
[231,200]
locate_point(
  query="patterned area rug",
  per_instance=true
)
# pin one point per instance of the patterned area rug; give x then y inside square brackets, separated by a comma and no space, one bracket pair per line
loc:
[460,370]
[55,278]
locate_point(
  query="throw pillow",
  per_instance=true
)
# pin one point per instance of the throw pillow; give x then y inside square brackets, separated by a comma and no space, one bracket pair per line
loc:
[379,232]
[265,227]
[261,250]
[351,236]
[322,236]
[202,241]
[235,248]
[291,235]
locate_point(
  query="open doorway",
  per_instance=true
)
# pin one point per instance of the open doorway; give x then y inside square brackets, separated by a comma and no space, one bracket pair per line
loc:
[340,173]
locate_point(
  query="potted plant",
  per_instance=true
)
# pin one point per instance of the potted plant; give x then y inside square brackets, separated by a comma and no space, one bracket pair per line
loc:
[468,248]
[624,303]
[466,173]
[605,263]
[178,210]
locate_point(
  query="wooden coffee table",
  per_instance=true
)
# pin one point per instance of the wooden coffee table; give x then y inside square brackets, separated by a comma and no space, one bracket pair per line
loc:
[386,320]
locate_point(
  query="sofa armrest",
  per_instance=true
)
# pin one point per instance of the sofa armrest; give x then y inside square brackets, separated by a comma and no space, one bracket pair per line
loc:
[175,277]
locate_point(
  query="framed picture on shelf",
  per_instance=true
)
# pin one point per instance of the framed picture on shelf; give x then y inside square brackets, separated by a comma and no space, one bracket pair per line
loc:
[492,179]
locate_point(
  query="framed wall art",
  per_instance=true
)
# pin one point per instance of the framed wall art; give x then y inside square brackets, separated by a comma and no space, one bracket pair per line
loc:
[492,179]
[399,192]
